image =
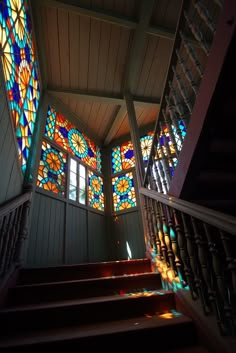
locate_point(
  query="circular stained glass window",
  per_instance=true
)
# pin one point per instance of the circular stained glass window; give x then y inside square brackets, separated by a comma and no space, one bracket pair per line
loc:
[122,185]
[53,161]
[95,184]
[78,143]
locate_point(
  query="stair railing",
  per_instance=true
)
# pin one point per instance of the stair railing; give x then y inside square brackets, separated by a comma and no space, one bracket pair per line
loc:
[193,39]
[14,216]
[194,247]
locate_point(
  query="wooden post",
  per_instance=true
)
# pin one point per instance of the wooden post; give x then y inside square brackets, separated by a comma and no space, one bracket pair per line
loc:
[139,166]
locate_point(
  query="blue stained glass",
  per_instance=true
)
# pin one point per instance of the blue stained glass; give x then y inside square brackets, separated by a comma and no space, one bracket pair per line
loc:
[129,154]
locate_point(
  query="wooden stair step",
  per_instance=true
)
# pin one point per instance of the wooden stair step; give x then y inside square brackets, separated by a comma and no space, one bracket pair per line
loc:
[82,271]
[92,287]
[169,331]
[84,311]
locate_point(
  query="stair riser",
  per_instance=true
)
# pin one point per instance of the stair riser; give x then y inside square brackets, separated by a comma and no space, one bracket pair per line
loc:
[84,289]
[83,271]
[163,338]
[54,317]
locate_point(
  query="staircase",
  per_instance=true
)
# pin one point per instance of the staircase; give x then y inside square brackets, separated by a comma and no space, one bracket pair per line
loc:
[112,305]
[211,178]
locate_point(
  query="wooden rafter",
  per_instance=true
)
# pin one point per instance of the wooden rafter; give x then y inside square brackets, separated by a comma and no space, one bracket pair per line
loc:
[109,17]
[83,95]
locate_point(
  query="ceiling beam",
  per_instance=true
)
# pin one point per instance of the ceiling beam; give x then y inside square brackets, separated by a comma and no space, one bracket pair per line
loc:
[85,96]
[136,53]
[74,119]
[108,16]
[115,124]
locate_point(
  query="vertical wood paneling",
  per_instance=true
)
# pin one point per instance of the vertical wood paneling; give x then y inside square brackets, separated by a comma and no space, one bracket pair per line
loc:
[76,237]
[45,244]
[128,228]
[97,238]
[11,178]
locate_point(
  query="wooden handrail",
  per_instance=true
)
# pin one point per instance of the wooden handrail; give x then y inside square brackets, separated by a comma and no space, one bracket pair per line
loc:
[14,203]
[217,219]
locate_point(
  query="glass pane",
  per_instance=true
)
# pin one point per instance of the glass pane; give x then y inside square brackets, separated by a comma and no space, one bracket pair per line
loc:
[82,197]
[82,171]
[72,193]
[73,179]
[73,165]
[82,183]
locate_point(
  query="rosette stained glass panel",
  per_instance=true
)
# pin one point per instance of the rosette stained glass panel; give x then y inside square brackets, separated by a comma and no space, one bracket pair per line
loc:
[123,192]
[95,191]
[146,145]
[52,169]
[66,135]
[20,71]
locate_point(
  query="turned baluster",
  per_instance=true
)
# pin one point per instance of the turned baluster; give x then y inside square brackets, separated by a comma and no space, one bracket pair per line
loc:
[175,122]
[202,254]
[183,265]
[192,54]
[171,134]
[5,241]
[204,14]
[23,232]
[191,251]
[167,240]
[182,90]
[157,175]
[230,259]
[218,274]
[187,72]
[197,34]
[161,170]
[178,105]
[12,240]
[161,235]
[173,239]
[157,221]
[146,213]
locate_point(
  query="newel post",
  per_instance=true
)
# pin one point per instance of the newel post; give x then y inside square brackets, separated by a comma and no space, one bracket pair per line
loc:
[23,229]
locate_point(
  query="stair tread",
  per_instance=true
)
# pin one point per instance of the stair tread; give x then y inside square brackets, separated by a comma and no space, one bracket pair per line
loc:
[92,330]
[90,300]
[86,280]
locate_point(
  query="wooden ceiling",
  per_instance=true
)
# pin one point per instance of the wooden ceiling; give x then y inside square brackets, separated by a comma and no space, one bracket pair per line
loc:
[92,51]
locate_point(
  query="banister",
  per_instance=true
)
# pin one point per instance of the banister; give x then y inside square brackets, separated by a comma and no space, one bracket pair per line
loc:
[14,203]
[217,219]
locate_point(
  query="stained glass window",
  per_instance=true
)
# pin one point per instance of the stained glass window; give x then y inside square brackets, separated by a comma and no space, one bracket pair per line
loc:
[146,144]
[95,191]
[20,71]
[123,192]
[52,169]
[66,135]
[123,155]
